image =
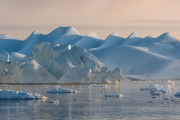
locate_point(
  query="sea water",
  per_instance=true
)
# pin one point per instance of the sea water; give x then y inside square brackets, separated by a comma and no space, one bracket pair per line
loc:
[91,103]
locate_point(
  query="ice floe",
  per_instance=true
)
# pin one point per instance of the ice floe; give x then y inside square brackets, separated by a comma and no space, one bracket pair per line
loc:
[156,93]
[19,95]
[54,101]
[170,98]
[61,90]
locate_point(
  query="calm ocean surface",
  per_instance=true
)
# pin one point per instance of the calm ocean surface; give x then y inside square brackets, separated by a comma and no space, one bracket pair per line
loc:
[90,104]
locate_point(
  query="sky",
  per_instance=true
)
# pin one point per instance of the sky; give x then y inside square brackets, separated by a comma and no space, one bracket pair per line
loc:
[19,18]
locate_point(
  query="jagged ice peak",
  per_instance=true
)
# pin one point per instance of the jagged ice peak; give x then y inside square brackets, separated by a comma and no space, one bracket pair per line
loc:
[133,35]
[167,35]
[115,34]
[93,35]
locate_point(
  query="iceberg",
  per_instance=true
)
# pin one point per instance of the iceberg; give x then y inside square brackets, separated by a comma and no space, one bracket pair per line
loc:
[65,48]
[155,89]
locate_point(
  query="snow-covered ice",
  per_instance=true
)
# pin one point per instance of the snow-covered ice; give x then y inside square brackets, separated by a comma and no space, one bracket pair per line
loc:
[19,95]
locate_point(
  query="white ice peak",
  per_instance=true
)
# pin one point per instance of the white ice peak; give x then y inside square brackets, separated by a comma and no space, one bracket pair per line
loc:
[167,36]
[133,35]
[36,32]
[93,35]
[115,34]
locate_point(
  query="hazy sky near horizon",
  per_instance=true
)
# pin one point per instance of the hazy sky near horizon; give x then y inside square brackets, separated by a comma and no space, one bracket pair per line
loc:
[146,17]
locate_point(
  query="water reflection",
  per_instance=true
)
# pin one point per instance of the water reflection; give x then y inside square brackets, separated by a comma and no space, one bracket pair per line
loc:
[88,104]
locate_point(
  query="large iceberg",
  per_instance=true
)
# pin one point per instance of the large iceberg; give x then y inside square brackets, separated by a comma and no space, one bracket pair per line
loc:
[52,63]
[140,58]
[58,59]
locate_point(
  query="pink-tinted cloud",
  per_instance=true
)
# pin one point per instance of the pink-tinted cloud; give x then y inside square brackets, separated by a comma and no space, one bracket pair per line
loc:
[35,13]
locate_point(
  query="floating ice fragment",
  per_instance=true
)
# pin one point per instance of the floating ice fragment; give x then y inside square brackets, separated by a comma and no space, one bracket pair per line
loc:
[153,96]
[55,102]
[156,93]
[167,98]
[143,88]
[156,89]
[149,101]
[177,94]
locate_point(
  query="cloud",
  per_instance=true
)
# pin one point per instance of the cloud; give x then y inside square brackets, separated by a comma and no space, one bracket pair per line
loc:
[129,15]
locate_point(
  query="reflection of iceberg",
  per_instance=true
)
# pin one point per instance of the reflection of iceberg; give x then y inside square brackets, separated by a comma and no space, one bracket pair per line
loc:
[7,57]
[98,86]
[113,95]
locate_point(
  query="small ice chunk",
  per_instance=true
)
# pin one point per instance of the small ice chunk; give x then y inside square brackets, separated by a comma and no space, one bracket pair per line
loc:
[150,101]
[156,93]
[163,91]
[166,98]
[143,89]
[55,101]
[155,88]
[177,94]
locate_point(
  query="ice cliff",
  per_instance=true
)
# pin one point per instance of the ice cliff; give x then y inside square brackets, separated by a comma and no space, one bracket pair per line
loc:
[25,72]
